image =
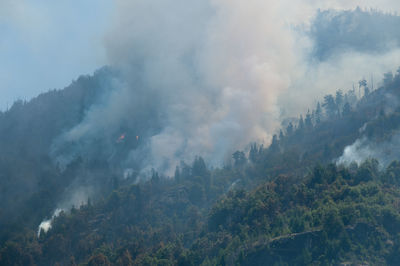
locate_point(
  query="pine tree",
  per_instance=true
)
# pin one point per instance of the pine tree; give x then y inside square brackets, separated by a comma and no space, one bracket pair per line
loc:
[281,136]
[330,106]
[199,167]
[318,114]
[253,154]
[274,147]
[301,123]
[308,121]
[346,109]
[339,101]
[239,158]
[177,175]
[289,129]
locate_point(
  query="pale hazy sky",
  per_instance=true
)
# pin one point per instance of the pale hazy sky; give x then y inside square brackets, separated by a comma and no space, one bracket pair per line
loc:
[46,44]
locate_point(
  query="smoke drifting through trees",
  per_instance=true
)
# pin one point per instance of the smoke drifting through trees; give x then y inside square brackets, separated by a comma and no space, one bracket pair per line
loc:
[363,149]
[208,77]
[205,78]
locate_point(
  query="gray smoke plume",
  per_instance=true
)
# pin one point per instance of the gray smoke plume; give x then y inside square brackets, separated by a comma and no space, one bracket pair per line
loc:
[75,197]
[45,225]
[362,149]
[208,77]
[384,150]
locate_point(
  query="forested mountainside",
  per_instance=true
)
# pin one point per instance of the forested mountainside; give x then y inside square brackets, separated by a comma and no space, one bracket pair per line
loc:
[325,191]
[293,202]
[29,180]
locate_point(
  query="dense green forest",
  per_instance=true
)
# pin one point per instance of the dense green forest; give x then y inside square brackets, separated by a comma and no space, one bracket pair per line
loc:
[286,204]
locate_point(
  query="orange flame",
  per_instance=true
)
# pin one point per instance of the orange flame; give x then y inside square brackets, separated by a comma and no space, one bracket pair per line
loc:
[121,138]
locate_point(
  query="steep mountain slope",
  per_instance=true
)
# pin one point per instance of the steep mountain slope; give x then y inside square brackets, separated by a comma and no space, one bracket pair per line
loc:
[256,209]
[77,184]
[30,181]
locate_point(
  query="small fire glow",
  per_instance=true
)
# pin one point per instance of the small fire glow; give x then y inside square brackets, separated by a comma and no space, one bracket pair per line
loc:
[121,138]
[137,137]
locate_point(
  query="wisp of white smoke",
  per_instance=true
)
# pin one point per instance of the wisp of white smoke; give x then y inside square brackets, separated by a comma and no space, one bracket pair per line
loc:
[45,226]
[362,149]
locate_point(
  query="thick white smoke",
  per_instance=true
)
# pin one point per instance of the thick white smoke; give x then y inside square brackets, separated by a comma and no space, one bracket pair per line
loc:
[206,77]
[215,74]
[362,149]
[46,225]
[385,151]
[77,197]
[212,70]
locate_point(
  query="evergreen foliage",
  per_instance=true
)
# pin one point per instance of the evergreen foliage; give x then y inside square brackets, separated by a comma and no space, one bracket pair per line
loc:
[287,203]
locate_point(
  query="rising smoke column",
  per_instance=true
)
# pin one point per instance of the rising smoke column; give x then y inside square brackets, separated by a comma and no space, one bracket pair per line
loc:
[215,68]
[46,225]
[76,196]
[209,76]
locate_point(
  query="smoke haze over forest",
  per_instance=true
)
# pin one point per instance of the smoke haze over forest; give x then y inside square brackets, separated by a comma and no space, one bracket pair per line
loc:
[205,78]
[210,77]
[225,122]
